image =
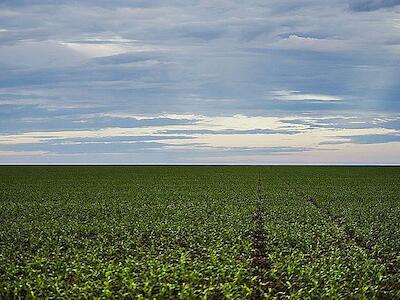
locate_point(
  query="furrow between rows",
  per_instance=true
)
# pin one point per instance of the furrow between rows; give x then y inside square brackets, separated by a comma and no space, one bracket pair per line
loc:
[260,261]
[390,264]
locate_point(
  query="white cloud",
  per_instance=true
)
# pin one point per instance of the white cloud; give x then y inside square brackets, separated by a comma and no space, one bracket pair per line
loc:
[206,61]
[100,46]
[313,44]
[96,50]
[201,131]
[22,153]
[342,154]
[289,95]
[151,117]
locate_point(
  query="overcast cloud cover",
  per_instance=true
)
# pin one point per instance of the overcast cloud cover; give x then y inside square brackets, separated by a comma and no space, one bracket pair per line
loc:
[200,81]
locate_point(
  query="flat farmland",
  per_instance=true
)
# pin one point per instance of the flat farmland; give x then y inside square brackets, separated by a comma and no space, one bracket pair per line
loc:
[189,232]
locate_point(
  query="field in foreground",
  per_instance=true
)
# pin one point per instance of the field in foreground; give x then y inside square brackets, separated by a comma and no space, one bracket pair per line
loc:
[192,232]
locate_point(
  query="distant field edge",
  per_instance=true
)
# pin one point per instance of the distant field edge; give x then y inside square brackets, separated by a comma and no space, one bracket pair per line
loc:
[195,165]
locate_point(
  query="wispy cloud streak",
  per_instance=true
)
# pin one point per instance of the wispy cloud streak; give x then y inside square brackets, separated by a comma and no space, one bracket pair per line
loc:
[190,81]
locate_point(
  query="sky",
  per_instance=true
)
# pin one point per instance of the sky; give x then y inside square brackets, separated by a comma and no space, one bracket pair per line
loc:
[200,82]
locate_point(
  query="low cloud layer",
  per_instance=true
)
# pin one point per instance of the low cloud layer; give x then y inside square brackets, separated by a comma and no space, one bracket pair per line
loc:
[199,82]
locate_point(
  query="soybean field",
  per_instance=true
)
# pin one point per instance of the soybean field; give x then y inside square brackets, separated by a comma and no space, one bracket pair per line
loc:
[199,232]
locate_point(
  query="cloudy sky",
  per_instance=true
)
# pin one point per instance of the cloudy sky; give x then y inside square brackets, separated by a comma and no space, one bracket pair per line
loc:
[198,82]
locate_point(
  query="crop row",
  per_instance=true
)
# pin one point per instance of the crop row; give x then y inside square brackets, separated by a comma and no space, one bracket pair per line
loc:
[199,232]
[324,247]
[146,232]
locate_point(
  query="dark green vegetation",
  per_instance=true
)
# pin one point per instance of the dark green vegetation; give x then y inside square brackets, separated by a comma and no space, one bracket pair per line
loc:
[192,232]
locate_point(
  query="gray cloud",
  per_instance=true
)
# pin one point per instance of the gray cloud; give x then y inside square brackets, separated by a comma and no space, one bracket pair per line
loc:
[66,65]
[349,122]
[371,5]
[374,138]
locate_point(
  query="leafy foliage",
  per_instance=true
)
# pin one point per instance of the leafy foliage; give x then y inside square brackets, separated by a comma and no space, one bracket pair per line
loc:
[188,232]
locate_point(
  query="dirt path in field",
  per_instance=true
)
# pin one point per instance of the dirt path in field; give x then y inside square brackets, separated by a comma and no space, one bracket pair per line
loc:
[341,223]
[390,263]
[259,256]
[260,262]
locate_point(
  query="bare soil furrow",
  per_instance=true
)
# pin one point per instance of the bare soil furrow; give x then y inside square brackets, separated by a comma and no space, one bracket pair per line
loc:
[390,263]
[260,261]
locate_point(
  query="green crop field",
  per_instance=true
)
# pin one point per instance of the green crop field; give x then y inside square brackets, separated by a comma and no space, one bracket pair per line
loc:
[200,232]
